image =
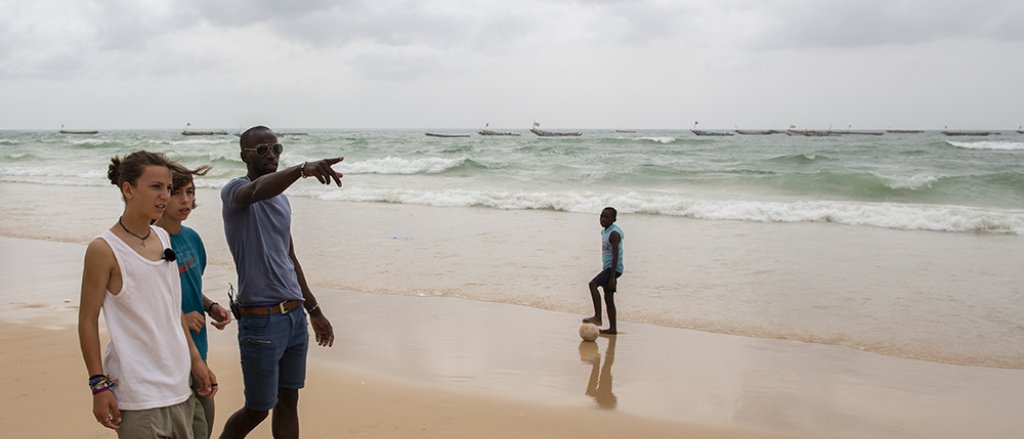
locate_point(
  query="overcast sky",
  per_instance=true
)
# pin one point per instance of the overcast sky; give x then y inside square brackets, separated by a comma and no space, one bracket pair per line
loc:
[461,64]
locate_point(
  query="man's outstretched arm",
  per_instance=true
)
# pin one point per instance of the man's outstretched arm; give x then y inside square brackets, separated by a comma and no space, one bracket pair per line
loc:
[273,184]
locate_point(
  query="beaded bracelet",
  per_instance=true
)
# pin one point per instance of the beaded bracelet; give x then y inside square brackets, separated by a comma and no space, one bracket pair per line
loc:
[100,383]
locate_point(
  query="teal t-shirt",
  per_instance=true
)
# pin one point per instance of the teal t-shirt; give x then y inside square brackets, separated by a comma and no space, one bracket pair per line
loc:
[191,260]
[606,247]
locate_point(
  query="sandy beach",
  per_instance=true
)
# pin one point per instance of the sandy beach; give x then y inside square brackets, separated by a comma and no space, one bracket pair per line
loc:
[408,366]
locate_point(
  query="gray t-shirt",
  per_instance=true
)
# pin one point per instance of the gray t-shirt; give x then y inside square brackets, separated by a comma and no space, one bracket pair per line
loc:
[259,237]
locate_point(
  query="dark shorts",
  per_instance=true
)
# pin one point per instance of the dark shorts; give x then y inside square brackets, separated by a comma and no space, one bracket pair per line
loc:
[273,350]
[603,277]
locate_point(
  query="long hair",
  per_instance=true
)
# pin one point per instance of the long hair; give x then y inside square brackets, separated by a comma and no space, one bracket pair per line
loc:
[129,168]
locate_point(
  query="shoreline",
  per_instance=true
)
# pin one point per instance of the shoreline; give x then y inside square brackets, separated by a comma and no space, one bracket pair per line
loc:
[933,296]
[450,367]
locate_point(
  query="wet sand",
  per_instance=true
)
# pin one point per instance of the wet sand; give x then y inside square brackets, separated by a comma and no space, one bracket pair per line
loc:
[944,297]
[407,366]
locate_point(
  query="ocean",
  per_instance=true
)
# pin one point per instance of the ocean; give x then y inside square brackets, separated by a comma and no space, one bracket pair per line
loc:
[901,181]
[906,245]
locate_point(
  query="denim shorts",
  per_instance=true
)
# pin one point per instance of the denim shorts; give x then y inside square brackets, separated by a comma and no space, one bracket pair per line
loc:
[603,277]
[273,350]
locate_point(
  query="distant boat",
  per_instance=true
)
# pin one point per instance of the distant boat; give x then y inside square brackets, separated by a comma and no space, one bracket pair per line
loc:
[496,133]
[858,133]
[543,133]
[446,135]
[625,131]
[204,133]
[905,131]
[63,131]
[968,133]
[292,134]
[758,132]
[808,133]
[536,130]
[710,133]
[1020,131]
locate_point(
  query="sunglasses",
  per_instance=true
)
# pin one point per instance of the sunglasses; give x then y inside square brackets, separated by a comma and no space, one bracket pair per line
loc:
[262,148]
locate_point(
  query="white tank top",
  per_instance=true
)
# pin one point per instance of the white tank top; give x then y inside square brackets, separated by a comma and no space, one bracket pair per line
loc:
[147,354]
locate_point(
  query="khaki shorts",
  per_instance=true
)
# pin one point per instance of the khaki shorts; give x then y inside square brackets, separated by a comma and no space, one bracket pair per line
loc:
[202,420]
[164,422]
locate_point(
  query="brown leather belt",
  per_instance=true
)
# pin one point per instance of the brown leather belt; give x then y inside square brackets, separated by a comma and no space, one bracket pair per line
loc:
[280,308]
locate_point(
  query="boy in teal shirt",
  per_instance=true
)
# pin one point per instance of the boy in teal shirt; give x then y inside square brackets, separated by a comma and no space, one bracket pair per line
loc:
[190,256]
[611,258]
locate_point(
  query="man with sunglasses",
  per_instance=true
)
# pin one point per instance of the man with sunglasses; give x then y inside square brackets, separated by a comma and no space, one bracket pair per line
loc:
[272,336]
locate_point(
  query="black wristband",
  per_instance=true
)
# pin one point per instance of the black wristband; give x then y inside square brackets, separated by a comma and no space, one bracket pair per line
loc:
[209,309]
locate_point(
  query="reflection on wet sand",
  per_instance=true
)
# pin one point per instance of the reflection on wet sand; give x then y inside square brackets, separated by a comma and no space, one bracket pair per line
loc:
[599,386]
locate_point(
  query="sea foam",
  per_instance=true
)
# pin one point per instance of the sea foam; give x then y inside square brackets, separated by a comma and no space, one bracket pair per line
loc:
[988,145]
[887,215]
[396,165]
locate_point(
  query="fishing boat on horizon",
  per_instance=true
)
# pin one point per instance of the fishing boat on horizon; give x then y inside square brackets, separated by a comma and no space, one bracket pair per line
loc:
[758,132]
[445,135]
[697,132]
[489,132]
[543,133]
[808,133]
[536,130]
[710,133]
[968,133]
[86,132]
[625,131]
[188,132]
[904,131]
[857,133]
[203,133]
[496,133]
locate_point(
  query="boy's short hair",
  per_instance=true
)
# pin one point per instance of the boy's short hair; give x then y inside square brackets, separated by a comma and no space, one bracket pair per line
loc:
[615,213]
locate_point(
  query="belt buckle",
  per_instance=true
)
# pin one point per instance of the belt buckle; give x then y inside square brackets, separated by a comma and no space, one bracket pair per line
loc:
[281,306]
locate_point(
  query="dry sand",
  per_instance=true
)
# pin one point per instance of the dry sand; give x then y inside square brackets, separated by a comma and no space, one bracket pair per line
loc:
[452,368]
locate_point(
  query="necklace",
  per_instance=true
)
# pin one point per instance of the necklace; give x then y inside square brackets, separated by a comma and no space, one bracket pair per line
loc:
[141,238]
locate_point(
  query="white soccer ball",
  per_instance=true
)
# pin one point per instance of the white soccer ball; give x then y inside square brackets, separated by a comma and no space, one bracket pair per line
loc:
[589,331]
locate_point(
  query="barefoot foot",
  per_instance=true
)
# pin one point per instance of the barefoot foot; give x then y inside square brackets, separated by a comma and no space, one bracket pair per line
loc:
[594,320]
[609,331]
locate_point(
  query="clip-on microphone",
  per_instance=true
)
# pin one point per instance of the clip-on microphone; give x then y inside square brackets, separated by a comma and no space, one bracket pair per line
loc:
[169,255]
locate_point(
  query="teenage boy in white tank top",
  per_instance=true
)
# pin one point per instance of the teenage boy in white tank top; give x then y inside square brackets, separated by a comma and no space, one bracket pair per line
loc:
[141,386]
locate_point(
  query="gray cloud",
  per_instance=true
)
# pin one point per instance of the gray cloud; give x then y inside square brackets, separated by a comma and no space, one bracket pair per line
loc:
[549,54]
[836,23]
[35,41]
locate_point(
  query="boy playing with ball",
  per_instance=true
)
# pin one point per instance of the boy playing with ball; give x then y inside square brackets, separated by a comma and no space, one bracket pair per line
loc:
[611,257]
